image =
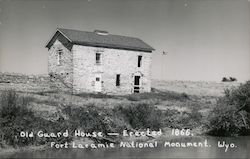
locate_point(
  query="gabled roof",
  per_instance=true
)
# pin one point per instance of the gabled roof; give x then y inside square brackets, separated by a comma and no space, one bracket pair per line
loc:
[101,40]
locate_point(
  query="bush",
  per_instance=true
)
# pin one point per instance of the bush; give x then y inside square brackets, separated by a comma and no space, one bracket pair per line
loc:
[180,120]
[141,116]
[224,79]
[230,79]
[225,122]
[88,118]
[231,115]
[91,119]
[16,117]
[239,97]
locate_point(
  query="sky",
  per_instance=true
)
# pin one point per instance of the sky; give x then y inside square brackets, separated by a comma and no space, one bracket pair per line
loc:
[204,39]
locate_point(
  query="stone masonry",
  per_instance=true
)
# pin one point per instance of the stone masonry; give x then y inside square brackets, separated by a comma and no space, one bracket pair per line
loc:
[64,71]
[79,71]
[113,61]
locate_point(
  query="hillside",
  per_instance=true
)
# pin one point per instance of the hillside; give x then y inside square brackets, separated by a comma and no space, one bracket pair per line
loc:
[170,104]
[178,95]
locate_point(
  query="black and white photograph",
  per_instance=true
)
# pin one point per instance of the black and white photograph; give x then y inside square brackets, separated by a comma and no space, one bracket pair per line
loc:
[125,79]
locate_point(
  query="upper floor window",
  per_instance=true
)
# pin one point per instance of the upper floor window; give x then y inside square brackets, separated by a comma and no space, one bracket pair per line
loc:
[139,61]
[59,56]
[98,58]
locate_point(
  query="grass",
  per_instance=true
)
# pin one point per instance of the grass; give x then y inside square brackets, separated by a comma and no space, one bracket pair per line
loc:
[156,94]
[17,115]
[112,113]
[93,95]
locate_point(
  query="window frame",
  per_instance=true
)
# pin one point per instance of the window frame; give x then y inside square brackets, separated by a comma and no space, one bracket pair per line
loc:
[97,79]
[59,56]
[118,80]
[98,59]
[139,61]
[137,80]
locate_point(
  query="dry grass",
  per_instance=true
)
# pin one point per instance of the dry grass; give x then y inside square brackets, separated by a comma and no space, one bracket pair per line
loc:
[172,104]
[198,88]
[179,95]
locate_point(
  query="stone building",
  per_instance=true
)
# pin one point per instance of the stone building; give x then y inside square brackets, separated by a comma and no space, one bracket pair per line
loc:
[99,62]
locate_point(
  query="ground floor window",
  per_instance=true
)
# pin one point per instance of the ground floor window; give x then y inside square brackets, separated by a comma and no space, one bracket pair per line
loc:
[117,82]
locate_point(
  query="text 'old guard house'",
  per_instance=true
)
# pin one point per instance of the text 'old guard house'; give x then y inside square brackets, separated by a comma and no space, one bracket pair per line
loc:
[100,62]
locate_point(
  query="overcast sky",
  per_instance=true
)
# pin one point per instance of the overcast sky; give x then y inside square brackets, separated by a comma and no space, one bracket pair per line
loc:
[205,39]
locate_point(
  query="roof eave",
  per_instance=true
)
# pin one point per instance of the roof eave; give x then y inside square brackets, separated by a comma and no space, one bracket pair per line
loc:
[113,47]
[57,30]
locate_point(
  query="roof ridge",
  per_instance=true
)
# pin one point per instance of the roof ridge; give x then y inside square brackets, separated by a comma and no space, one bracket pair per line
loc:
[97,34]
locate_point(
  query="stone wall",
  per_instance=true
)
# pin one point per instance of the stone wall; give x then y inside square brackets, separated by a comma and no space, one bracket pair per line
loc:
[24,83]
[31,83]
[62,72]
[22,78]
[113,62]
[60,77]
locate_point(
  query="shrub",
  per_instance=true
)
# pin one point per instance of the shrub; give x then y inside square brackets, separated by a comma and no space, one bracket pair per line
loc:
[224,79]
[141,116]
[239,97]
[225,122]
[91,119]
[230,79]
[16,117]
[227,118]
[88,118]
[180,120]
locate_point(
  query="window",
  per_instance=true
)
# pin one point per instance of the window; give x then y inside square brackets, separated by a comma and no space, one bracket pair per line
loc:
[98,58]
[97,79]
[117,82]
[59,56]
[139,60]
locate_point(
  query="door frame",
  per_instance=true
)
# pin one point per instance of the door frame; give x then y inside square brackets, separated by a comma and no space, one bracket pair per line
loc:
[137,87]
[98,83]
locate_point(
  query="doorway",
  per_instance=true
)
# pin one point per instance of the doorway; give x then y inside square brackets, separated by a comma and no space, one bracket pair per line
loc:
[98,83]
[137,84]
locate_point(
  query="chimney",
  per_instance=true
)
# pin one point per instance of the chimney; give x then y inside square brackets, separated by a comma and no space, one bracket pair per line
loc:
[101,32]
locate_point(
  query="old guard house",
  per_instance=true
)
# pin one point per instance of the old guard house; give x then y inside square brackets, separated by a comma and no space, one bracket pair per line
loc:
[98,62]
